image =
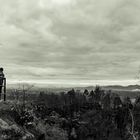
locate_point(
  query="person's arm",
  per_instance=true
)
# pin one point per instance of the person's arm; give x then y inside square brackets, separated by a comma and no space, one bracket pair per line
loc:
[2,76]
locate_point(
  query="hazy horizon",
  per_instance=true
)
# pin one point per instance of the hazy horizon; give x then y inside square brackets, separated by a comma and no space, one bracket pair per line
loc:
[67,84]
[70,42]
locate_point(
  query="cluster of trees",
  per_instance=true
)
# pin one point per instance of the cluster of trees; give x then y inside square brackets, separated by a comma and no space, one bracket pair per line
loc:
[88,115]
[95,114]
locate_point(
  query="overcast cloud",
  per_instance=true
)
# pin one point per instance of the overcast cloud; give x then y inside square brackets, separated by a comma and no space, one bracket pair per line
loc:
[70,40]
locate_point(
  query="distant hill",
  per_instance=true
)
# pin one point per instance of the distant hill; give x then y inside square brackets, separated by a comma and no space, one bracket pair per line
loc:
[109,87]
[118,87]
[130,90]
[114,87]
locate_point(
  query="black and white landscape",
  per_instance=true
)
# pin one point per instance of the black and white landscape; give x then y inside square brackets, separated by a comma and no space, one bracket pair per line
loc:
[70,70]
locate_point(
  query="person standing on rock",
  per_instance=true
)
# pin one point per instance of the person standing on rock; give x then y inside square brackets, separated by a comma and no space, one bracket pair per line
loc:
[2,77]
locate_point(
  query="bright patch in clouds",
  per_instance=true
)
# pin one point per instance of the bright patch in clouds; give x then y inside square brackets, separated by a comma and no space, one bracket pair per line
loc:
[61,2]
[50,4]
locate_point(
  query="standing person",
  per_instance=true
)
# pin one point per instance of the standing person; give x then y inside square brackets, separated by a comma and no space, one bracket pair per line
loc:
[1,80]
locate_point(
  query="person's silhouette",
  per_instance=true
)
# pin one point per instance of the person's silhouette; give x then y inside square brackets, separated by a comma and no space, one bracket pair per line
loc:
[1,80]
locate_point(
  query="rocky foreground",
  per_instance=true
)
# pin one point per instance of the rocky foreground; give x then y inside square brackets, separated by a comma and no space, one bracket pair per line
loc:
[36,129]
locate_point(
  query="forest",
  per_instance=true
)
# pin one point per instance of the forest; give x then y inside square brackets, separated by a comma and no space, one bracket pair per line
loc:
[73,115]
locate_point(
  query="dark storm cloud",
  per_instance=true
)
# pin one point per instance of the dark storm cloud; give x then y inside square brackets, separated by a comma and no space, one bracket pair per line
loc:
[70,40]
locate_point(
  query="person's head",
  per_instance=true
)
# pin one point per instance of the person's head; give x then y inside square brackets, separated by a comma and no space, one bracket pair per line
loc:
[1,69]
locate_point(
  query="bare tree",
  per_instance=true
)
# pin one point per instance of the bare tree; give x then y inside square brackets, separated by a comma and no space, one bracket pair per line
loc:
[131,130]
[24,88]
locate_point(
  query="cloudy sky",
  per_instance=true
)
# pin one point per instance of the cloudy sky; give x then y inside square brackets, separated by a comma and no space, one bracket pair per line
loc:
[70,41]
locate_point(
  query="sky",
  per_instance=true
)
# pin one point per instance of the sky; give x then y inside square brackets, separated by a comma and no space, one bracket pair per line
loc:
[70,42]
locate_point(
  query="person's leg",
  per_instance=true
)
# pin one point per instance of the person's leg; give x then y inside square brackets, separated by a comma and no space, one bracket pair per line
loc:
[0,91]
